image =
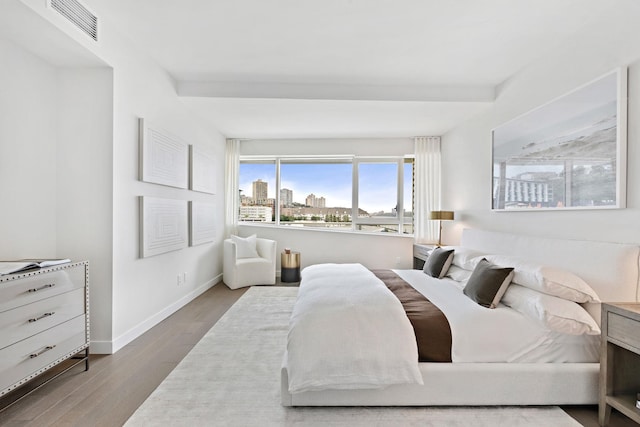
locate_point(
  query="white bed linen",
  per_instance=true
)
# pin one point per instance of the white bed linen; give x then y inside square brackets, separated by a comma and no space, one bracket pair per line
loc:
[376,350]
[502,334]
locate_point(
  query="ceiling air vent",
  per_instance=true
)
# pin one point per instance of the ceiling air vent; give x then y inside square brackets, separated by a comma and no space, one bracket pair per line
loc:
[79,15]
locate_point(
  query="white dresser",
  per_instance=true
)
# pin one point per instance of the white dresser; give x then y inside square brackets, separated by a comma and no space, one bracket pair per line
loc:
[44,320]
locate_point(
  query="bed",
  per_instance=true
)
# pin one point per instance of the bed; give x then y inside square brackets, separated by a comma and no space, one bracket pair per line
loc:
[522,378]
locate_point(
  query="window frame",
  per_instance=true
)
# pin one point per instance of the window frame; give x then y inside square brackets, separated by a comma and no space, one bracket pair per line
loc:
[400,220]
[355,188]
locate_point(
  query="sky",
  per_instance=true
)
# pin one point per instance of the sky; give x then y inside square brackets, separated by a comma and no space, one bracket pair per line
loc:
[377,183]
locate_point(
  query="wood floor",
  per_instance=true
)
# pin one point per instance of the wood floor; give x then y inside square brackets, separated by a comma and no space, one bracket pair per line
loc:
[116,385]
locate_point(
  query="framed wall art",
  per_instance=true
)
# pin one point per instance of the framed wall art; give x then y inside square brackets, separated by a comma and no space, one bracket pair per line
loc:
[164,158]
[163,225]
[202,225]
[567,154]
[202,175]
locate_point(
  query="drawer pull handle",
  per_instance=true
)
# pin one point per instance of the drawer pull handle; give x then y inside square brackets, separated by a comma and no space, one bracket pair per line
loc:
[35,319]
[49,285]
[44,350]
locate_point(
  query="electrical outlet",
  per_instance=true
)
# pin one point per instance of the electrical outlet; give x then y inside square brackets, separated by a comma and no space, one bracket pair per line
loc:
[180,279]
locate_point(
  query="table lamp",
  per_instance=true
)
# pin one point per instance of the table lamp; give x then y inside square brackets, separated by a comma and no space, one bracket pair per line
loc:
[441,216]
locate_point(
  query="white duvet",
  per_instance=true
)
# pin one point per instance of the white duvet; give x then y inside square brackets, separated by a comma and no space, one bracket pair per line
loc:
[502,334]
[377,349]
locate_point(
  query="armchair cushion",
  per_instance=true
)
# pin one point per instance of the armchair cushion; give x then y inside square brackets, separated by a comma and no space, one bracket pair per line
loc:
[245,246]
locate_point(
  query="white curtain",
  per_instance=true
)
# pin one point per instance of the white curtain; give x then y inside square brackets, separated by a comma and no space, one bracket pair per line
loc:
[426,188]
[231,187]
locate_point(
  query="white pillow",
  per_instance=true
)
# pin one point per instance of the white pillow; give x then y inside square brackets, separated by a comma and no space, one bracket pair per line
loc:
[458,274]
[245,246]
[464,257]
[557,314]
[550,280]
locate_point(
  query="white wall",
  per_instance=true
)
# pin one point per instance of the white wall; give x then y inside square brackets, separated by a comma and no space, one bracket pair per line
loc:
[27,154]
[84,186]
[145,291]
[318,246]
[55,129]
[98,165]
[466,150]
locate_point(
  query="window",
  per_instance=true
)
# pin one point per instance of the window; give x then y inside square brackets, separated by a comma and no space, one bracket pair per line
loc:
[378,188]
[257,191]
[343,194]
[316,194]
[385,195]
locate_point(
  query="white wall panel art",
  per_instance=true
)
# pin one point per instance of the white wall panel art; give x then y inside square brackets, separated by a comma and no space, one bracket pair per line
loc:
[202,173]
[203,223]
[163,225]
[164,158]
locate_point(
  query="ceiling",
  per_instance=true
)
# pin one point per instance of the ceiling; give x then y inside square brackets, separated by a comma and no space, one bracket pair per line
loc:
[343,68]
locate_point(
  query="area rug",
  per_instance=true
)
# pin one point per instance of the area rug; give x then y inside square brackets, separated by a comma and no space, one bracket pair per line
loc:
[232,378]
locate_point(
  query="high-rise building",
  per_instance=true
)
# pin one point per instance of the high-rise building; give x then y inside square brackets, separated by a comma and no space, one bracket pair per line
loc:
[286,197]
[260,188]
[315,202]
[310,200]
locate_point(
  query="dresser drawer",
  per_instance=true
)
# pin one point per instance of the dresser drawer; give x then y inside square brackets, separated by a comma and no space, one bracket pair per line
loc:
[35,354]
[34,287]
[22,322]
[623,329]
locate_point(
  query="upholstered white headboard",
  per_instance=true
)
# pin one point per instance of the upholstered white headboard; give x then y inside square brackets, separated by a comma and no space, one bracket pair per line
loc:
[612,269]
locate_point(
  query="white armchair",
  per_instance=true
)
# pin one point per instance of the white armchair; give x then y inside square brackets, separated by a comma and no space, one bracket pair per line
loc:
[238,272]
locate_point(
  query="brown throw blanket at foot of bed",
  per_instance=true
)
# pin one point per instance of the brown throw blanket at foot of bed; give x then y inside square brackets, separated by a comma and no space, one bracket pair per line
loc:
[433,333]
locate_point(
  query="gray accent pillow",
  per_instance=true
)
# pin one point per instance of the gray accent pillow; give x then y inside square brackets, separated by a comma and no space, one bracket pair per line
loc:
[438,262]
[488,283]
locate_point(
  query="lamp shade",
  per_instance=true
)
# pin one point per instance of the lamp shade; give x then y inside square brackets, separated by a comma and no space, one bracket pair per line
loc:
[441,215]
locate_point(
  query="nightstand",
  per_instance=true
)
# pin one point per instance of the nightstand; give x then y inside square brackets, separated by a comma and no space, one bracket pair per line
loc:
[420,254]
[619,360]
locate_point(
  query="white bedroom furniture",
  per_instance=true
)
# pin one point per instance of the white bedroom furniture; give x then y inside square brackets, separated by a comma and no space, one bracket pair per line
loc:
[611,269]
[620,361]
[249,261]
[420,254]
[44,320]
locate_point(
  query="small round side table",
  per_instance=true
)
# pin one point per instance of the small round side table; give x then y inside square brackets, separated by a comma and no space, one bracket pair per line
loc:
[290,267]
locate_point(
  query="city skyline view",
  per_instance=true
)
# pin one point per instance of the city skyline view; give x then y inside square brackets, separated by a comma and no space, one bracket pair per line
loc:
[333,181]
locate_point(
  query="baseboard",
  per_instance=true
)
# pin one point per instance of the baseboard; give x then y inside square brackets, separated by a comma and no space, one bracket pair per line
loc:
[110,347]
[101,347]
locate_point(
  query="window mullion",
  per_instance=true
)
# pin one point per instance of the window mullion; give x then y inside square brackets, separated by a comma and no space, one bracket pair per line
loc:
[276,207]
[354,194]
[400,200]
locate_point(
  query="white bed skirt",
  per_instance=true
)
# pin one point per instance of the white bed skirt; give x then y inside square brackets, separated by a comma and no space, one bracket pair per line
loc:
[470,384]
